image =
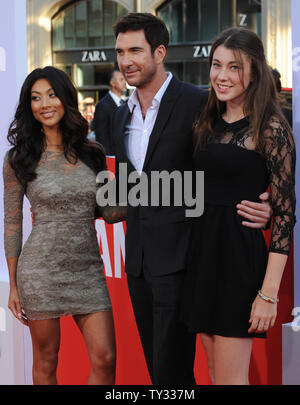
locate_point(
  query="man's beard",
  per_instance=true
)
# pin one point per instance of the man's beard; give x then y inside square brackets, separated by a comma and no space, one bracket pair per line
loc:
[145,79]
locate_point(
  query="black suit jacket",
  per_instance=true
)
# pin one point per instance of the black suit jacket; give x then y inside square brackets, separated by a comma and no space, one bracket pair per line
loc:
[102,123]
[158,237]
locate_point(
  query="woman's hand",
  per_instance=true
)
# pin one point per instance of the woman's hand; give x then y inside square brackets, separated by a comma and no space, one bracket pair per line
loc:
[263,315]
[15,307]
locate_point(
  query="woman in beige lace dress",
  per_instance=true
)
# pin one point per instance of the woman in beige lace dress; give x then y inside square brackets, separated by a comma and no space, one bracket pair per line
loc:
[59,270]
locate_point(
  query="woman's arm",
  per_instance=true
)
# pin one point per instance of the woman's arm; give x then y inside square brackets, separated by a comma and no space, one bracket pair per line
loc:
[280,157]
[13,219]
[13,300]
[263,313]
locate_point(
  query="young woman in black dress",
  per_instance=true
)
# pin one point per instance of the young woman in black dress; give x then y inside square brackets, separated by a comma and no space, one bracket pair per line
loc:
[243,144]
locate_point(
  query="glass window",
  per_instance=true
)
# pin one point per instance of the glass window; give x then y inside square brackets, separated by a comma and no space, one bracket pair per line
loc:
[164,14]
[80,24]
[202,20]
[67,69]
[226,14]
[120,10]
[102,73]
[84,75]
[109,20]
[248,14]
[69,28]
[209,20]
[94,26]
[192,72]
[176,68]
[197,73]
[58,33]
[192,23]
[86,23]
[93,75]
[177,21]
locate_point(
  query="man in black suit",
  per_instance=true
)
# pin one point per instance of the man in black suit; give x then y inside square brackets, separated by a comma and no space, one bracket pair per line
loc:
[153,132]
[105,110]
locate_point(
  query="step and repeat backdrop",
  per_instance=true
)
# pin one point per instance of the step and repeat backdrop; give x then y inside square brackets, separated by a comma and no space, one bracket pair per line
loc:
[273,360]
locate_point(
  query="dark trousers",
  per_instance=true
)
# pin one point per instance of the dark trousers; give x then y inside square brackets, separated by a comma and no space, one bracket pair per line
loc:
[168,347]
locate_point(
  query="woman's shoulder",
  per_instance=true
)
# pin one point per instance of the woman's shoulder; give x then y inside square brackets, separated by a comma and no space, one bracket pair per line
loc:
[278,132]
[275,122]
[9,154]
[277,126]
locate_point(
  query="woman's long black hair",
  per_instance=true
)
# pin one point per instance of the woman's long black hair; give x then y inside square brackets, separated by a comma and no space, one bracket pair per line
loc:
[28,140]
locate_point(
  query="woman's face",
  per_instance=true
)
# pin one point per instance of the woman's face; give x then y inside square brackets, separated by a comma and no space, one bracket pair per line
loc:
[230,77]
[45,105]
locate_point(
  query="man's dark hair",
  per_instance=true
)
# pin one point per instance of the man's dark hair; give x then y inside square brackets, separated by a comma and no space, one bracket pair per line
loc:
[156,32]
[112,74]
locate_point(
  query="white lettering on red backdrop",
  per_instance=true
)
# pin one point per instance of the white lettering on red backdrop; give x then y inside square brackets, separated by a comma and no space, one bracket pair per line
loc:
[118,245]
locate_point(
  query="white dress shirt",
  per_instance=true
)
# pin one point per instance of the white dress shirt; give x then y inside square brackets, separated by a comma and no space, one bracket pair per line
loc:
[138,131]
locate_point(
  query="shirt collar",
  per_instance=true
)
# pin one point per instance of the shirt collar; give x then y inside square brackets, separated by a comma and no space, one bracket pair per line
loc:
[115,97]
[134,100]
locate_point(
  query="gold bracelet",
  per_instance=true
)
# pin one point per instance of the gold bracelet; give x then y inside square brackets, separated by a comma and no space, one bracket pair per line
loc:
[268,299]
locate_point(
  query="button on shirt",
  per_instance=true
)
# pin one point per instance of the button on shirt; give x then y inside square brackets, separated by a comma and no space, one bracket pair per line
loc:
[138,131]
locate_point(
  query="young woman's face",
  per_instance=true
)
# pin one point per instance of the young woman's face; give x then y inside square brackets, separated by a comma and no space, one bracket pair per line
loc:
[230,77]
[45,105]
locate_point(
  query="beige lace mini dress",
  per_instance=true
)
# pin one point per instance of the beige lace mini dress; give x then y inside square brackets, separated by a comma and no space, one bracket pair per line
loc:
[60,269]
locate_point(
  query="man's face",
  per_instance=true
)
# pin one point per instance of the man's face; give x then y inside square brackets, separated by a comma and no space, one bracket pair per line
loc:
[118,82]
[135,59]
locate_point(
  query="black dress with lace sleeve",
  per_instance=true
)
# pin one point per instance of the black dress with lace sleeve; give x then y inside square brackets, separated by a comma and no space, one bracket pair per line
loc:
[227,261]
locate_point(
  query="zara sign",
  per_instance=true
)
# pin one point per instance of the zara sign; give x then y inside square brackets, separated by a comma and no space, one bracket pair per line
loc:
[93,56]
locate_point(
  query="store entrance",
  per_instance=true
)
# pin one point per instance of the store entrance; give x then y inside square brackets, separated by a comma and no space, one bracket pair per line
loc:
[92,82]
[95,93]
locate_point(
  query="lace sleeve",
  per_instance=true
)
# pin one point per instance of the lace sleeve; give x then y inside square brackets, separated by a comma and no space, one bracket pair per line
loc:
[281,157]
[13,211]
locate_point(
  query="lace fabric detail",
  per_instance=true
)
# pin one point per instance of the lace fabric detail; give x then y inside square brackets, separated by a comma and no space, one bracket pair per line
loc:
[60,270]
[13,211]
[53,162]
[280,159]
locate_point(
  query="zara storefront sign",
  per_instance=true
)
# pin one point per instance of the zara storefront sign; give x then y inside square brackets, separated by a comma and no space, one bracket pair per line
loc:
[201,51]
[93,56]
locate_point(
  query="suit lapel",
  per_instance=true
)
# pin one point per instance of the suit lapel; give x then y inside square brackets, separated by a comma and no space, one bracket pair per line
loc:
[124,119]
[165,109]
[112,102]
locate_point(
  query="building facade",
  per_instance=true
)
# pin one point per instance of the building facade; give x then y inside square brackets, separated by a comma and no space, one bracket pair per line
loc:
[77,35]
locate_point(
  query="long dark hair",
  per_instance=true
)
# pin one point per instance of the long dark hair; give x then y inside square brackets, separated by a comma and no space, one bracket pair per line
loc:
[28,140]
[261,98]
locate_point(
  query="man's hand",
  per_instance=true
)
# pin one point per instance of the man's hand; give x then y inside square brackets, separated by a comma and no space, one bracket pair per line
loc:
[258,213]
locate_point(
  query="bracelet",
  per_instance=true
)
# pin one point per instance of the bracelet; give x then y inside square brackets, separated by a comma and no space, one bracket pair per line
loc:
[268,299]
